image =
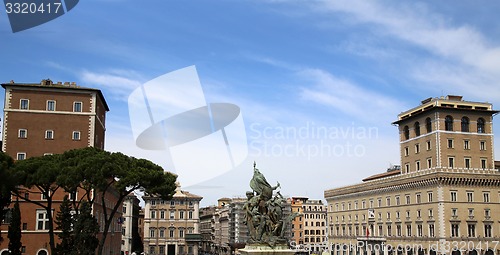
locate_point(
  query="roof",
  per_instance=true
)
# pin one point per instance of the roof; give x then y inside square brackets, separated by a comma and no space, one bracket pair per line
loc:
[449,102]
[48,84]
[381,175]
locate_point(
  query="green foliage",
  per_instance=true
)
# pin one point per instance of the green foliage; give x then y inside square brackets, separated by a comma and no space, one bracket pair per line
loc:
[85,231]
[7,183]
[65,220]
[14,233]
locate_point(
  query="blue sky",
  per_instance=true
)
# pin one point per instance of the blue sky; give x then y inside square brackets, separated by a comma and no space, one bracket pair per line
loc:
[347,66]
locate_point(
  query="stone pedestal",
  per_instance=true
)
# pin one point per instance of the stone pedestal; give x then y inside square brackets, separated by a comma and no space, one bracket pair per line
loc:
[264,249]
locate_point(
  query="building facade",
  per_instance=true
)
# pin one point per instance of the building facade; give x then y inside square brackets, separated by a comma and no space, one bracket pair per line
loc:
[172,227]
[309,230]
[50,118]
[442,200]
[131,240]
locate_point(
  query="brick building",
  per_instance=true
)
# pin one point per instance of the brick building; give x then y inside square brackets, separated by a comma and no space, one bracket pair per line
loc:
[50,118]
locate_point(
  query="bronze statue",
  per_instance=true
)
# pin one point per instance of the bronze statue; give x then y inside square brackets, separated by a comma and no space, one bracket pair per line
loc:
[264,212]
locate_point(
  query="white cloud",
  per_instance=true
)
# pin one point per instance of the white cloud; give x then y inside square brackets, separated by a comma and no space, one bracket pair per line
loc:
[118,83]
[347,96]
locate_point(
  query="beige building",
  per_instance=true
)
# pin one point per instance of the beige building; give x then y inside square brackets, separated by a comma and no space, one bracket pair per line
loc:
[442,200]
[309,230]
[131,241]
[172,227]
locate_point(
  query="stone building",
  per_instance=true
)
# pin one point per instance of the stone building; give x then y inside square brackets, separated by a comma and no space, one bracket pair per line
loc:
[50,118]
[172,227]
[309,230]
[444,198]
[131,240]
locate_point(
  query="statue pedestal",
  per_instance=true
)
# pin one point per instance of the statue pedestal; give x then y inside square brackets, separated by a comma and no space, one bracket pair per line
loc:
[264,249]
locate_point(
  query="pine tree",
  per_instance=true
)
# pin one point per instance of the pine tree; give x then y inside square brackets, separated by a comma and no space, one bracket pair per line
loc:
[64,221]
[85,231]
[14,234]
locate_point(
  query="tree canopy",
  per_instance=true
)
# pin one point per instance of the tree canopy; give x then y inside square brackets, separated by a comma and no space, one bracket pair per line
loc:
[97,172]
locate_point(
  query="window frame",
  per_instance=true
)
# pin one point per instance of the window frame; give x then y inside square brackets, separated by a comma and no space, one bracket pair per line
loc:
[21,104]
[48,104]
[51,136]
[22,131]
[75,108]
[78,136]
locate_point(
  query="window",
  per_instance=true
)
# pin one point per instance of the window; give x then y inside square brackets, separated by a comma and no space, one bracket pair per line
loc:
[480,125]
[428,125]
[407,168]
[419,230]
[482,145]
[77,106]
[172,213]
[153,202]
[162,214]
[181,215]
[398,230]
[455,230]
[42,220]
[483,163]
[388,201]
[407,151]
[152,232]
[23,133]
[450,143]
[451,162]
[467,162]
[397,200]
[429,162]
[21,155]
[419,214]
[418,198]
[171,233]
[51,105]
[487,230]
[73,196]
[465,124]
[190,214]
[24,104]
[417,165]
[471,230]
[431,230]
[408,230]
[417,128]
[487,213]
[486,197]
[408,199]
[431,213]
[428,145]
[466,145]
[162,250]
[471,212]
[470,196]
[181,233]
[429,196]
[406,131]
[49,134]
[379,202]
[448,123]
[76,135]
[153,214]
[453,196]
[363,204]
[417,148]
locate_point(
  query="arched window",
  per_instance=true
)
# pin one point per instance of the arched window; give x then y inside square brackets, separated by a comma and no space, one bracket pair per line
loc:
[448,123]
[480,125]
[465,124]
[407,132]
[42,252]
[428,125]
[417,128]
